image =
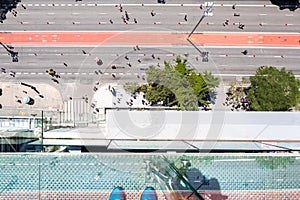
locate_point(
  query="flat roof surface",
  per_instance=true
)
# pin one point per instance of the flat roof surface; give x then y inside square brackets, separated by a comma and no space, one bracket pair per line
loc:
[212,125]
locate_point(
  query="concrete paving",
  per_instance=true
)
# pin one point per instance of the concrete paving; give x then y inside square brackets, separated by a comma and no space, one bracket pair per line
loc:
[48,98]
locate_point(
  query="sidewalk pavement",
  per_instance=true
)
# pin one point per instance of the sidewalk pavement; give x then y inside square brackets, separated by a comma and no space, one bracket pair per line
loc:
[104,97]
[13,97]
[221,97]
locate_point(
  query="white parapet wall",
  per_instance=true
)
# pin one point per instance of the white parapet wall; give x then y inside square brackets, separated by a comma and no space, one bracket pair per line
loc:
[199,126]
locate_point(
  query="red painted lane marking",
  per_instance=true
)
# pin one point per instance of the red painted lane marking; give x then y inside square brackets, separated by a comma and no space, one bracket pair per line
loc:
[151,38]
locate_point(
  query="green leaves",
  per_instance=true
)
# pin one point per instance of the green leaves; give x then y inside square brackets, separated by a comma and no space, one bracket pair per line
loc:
[273,90]
[177,85]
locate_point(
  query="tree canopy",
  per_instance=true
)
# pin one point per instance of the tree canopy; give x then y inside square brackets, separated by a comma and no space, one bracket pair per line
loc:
[178,85]
[273,90]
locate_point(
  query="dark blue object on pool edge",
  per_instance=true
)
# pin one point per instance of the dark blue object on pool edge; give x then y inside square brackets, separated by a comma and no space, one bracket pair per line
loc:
[149,194]
[117,194]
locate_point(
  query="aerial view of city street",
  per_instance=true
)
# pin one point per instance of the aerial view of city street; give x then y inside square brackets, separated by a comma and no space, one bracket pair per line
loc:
[150,99]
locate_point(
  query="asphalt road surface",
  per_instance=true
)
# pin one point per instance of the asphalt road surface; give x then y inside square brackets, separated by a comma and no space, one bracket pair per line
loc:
[86,15]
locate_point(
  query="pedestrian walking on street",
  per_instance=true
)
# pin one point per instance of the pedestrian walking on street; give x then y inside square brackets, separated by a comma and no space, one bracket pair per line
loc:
[137,47]
[83,51]
[55,80]
[51,72]
[233,6]
[23,6]
[185,18]
[241,26]
[245,52]
[12,73]
[152,13]
[111,21]
[135,21]
[124,20]
[127,16]
[65,64]
[226,22]
[126,57]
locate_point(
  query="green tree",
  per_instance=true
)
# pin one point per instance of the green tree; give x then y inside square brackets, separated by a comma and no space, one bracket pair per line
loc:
[158,93]
[273,90]
[174,82]
[211,81]
[176,85]
[200,87]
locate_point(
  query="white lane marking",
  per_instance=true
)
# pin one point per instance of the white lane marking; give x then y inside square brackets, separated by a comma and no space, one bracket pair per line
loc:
[69,4]
[165,5]
[262,14]
[43,4]
[162,31]
[106,73]
[51,13]
[289,15]
[63,4]
[75,13]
